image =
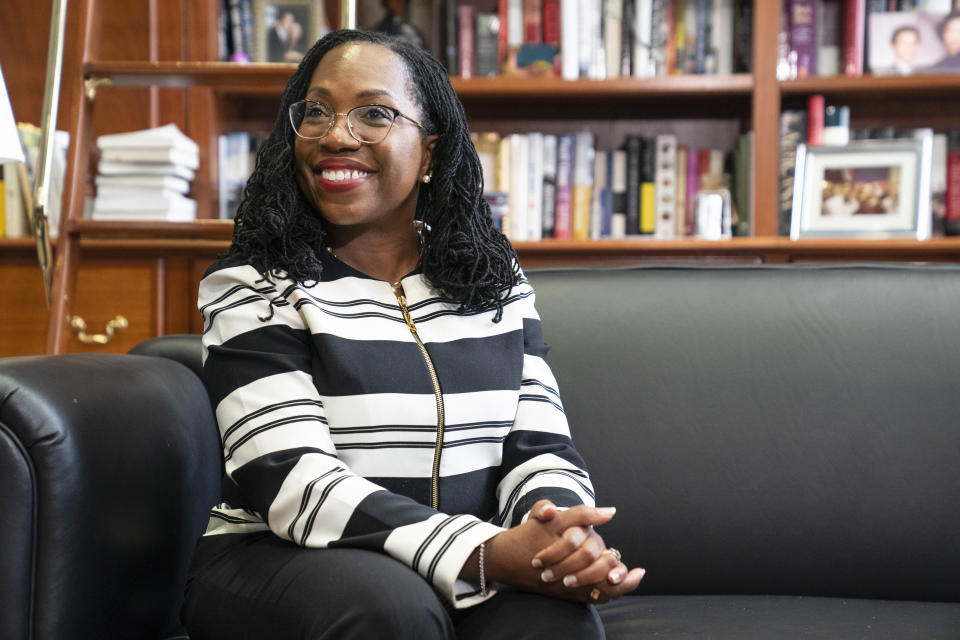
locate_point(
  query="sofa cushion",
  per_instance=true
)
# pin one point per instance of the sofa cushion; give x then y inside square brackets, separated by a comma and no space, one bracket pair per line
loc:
[784,430]
[779,617]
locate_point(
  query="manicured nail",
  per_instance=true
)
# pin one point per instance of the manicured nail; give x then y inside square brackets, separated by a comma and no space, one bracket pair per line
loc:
[616,575]
[606,511]
[547,575]
[643,572]
[537,563]
[570,581]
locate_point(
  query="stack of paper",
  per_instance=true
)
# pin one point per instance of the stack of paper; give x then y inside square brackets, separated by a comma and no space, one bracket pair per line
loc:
[145,175]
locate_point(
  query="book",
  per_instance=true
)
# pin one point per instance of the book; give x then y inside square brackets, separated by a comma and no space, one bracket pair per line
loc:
[815,122]
[692,186]
[682,213]
[450,36]
[854,24]
[648,187]
[742,36]
[174,183]
[793,131]
[802,15]
[569,39]
[612,36]
[952,209]
[599,217]
[15,205]
[938,184]
[644,64]
[534,186]
[518,194]
[108,168]
[551,23]
[633,148]
[582,184]
[829,22]
[150,156]
[532,27]
[549,184]
[485,54]
[166,137]
[172,207]
[721,36]
[563,217]
[466,20]
[618,190]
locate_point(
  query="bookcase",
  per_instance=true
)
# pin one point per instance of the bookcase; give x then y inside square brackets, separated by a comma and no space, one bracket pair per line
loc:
[149,271]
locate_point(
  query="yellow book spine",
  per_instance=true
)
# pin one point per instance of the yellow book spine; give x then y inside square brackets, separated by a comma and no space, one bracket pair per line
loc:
[3,206]
[648,207]
[581,212]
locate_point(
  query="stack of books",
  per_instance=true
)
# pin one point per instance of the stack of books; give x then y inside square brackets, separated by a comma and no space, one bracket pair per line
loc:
[145,175]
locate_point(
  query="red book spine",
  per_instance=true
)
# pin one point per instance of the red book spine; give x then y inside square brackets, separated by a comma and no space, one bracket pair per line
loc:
[467,19]
[854,15]
[551,22]
[952,216]
[502,36]
[532,29]
[815,109]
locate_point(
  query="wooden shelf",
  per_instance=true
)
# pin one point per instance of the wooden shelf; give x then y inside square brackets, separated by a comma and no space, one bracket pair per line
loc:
[257,77]
[154,230]
[890,87]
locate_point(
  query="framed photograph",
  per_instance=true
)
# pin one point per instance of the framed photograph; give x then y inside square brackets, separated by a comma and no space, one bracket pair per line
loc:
[878,188]
[906,42]
[285,30]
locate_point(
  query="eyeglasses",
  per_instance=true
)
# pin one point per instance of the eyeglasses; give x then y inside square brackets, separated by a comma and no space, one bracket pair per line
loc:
[367,124]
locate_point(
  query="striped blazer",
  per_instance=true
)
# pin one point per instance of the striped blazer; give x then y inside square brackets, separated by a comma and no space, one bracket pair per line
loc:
[353,414]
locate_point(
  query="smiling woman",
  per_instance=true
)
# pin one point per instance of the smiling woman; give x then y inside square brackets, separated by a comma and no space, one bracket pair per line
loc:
[397,456]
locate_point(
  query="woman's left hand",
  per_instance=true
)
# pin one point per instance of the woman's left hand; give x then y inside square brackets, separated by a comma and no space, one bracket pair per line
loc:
[580,557]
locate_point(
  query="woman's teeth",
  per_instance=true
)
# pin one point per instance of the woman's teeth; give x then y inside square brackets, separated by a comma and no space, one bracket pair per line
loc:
[339,175]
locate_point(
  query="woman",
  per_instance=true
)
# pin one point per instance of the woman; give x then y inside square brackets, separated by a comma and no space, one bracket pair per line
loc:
[399,461]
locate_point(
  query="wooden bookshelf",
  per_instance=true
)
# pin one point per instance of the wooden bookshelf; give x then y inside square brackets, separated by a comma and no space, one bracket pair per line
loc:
[157,64]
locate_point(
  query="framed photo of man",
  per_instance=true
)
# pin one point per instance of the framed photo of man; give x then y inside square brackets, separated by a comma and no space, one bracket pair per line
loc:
[285,30]
[907,42]
[868,188]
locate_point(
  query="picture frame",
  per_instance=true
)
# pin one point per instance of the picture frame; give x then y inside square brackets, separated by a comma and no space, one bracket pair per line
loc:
[285,29]
[907,42]
[867,188]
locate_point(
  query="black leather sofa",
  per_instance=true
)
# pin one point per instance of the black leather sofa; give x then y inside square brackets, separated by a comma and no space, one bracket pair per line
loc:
[782,445]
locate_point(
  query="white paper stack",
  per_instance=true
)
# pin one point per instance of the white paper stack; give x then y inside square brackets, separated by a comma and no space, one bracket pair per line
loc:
[145,175]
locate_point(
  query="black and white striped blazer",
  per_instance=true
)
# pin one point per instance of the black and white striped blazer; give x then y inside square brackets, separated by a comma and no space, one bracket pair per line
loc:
[329,414]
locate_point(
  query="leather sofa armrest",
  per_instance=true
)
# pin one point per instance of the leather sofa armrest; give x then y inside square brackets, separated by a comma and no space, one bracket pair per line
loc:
[108,467]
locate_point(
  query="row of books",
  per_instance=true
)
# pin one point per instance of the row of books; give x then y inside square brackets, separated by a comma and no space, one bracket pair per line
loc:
[237,153]
[146,175]
[562,186]
[798,126]
[16,184]
[600,39]
[881,37]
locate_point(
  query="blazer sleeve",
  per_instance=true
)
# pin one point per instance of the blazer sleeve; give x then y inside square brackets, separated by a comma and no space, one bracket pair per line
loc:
[539,459]
[277,445]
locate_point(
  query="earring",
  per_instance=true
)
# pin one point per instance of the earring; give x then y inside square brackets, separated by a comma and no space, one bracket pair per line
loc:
[427,178]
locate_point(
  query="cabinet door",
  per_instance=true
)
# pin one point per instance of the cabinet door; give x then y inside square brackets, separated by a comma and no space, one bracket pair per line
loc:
[23,310]
[111,287]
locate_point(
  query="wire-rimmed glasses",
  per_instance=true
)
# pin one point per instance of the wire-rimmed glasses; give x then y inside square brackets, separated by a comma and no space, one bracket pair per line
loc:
[367,124]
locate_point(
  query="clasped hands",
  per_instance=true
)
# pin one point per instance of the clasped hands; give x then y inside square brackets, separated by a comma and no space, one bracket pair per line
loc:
[559,554]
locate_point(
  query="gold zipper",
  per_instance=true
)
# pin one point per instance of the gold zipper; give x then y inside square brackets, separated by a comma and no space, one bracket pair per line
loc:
[438,448]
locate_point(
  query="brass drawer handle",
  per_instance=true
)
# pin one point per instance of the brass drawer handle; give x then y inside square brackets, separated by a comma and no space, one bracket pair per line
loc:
[79,326]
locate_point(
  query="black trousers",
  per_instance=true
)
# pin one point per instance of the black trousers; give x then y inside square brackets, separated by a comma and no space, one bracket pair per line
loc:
[259,586]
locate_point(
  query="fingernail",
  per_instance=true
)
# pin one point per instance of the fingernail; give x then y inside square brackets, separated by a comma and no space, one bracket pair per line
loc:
[606,511]
[615,576]
[547,575]
[570,581]
[537,563]
[643,572]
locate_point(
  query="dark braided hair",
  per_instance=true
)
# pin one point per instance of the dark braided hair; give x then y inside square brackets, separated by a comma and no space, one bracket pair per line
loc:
[465,258]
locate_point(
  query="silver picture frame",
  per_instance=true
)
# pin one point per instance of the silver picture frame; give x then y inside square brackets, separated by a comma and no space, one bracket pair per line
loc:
[866,188]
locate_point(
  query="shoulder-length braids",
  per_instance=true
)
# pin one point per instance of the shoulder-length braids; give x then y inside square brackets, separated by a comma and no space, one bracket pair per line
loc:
[465,259]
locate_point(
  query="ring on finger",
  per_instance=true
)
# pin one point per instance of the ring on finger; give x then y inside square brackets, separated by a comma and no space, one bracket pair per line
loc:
[595,594]
[614,552]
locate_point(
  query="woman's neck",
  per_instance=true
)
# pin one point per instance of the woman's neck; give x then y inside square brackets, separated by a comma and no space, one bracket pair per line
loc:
[384,256]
